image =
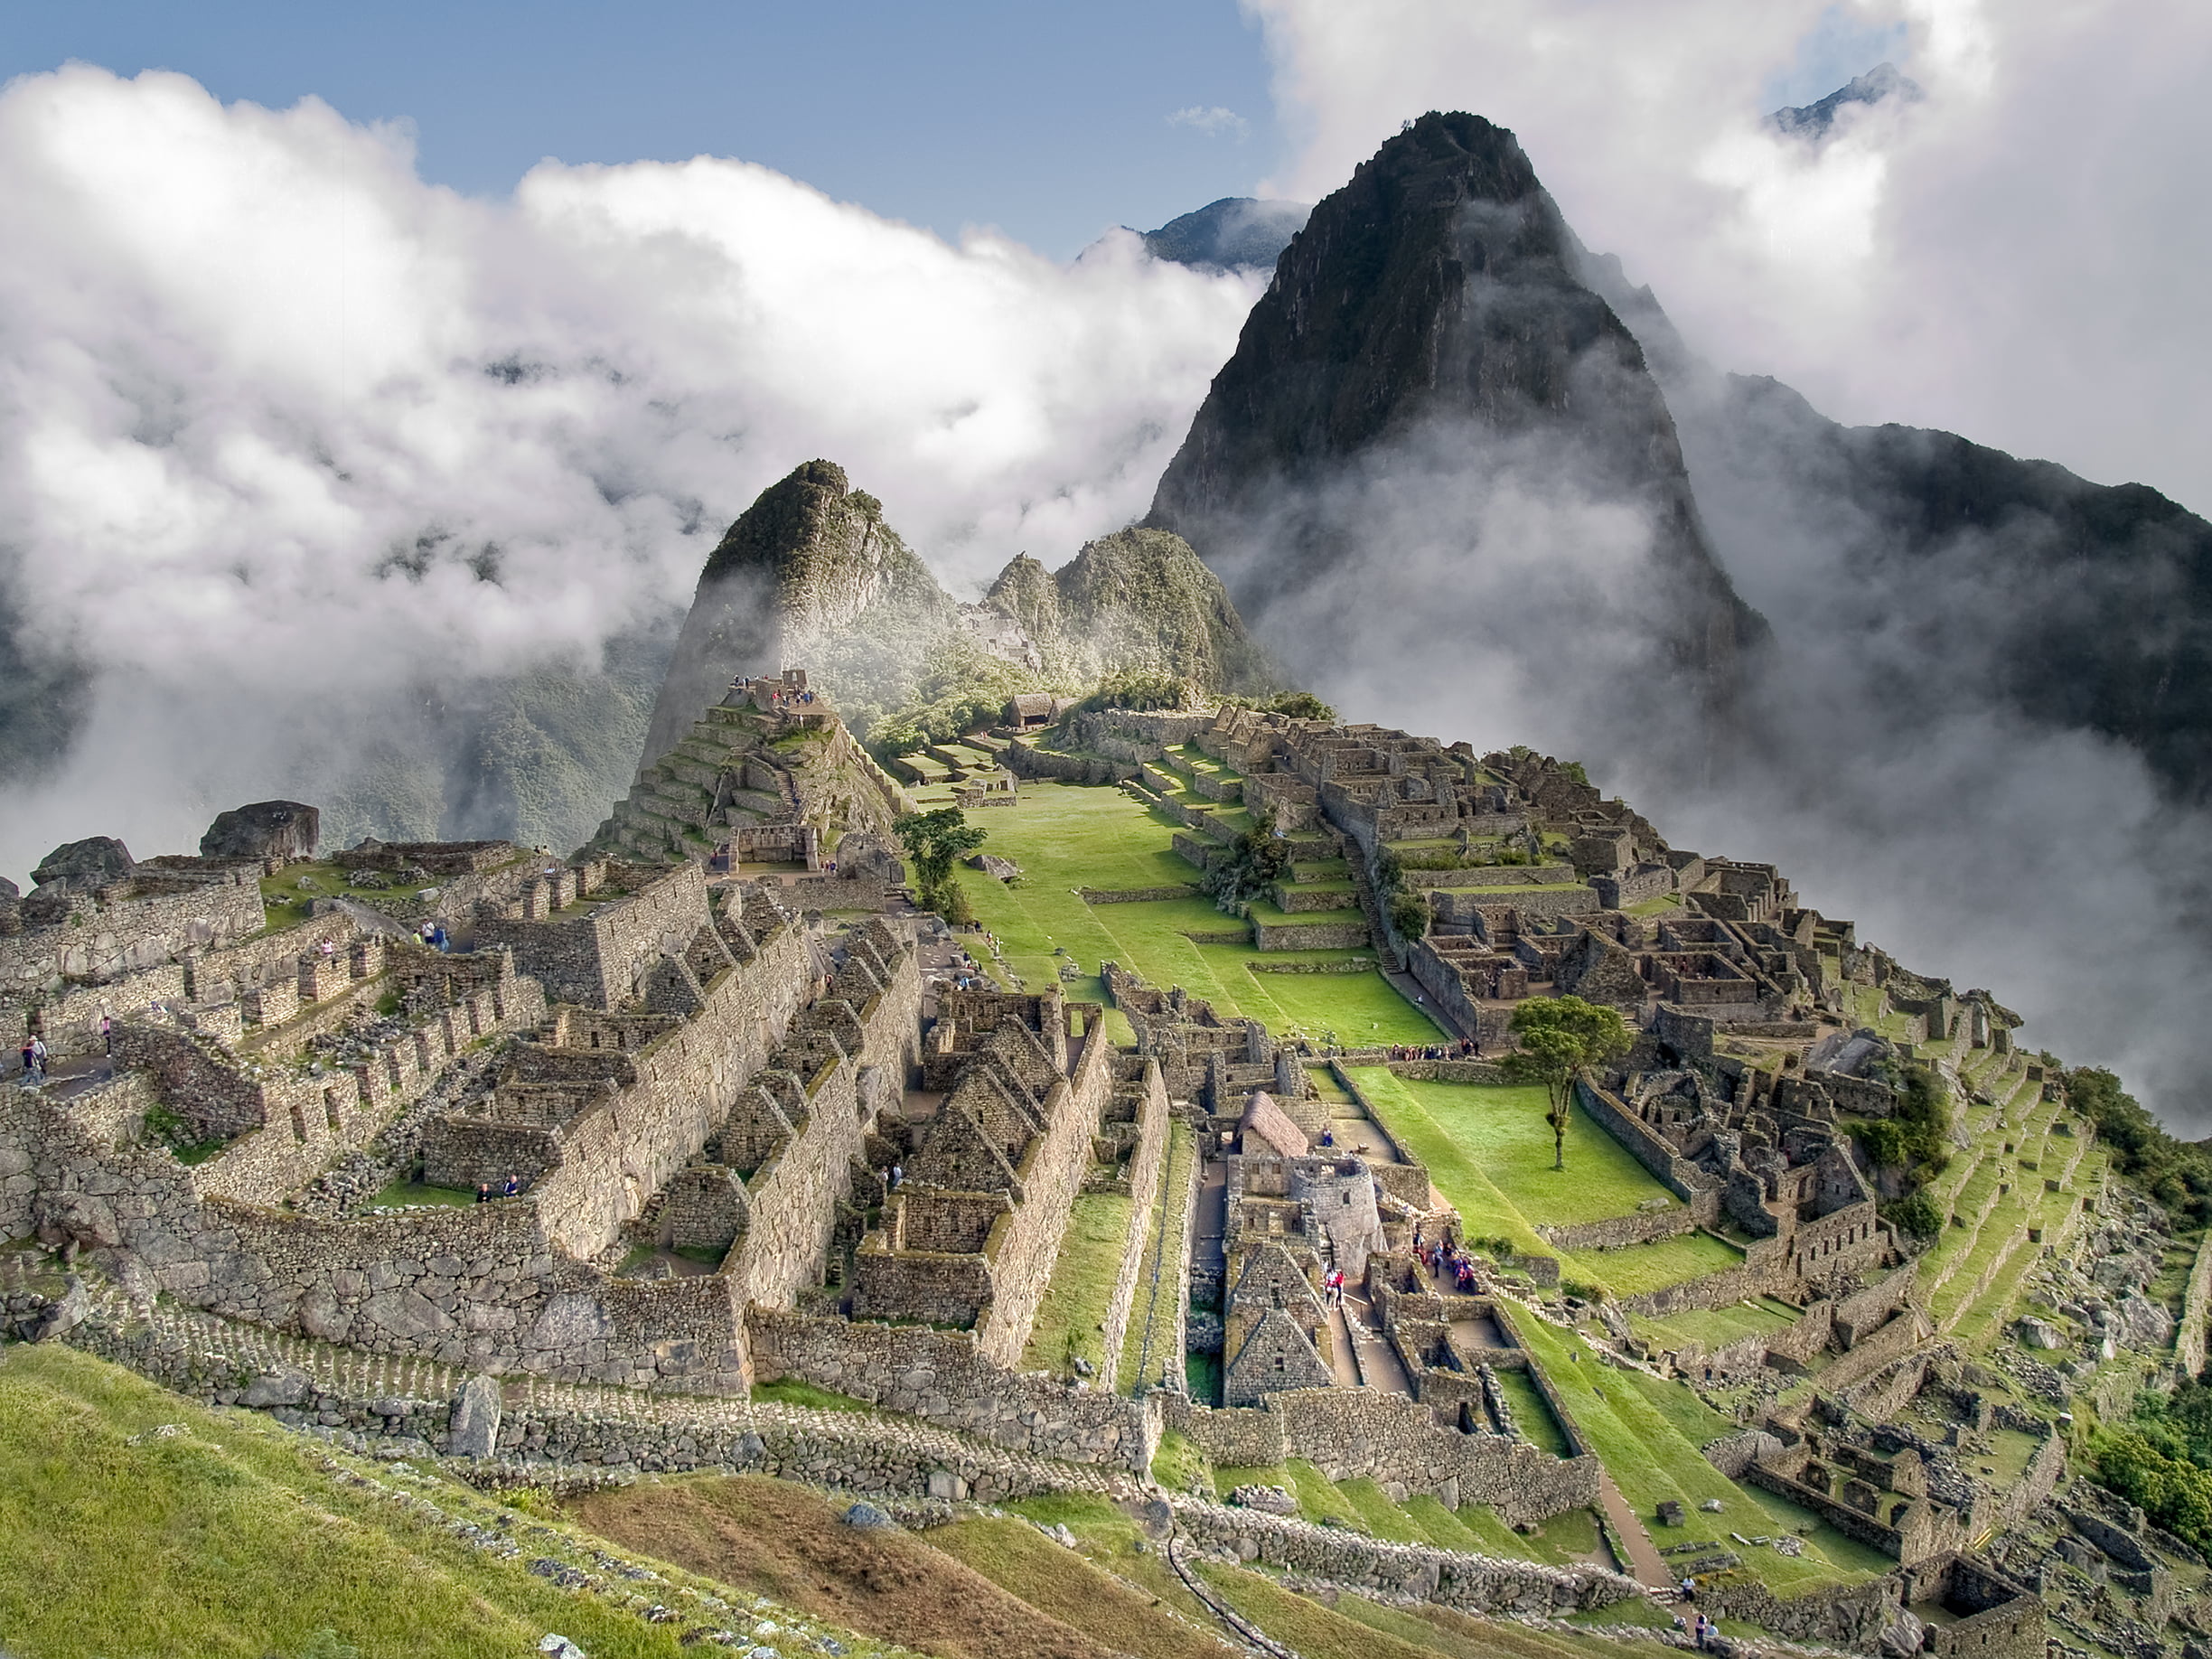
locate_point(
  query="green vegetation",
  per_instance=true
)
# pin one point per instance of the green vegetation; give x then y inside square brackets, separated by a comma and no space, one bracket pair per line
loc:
[1499,1133]
[1067,837]
[2160,1474]
[2176,1173]
[402,1194]
[934,840]
[1070,1320]
[134,1521]
[1562,1038]
[791,1391]
[1258,860]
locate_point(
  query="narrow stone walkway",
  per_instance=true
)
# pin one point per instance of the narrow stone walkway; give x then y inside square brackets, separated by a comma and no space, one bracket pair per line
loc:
[1643,1554]
[1379,1366]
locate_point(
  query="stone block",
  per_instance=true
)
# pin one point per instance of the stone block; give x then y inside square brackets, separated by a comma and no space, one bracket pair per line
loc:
[472,1428]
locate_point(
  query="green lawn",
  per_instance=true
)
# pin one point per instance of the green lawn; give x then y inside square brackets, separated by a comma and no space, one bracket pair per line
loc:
[1653,1454]
[1488,1149]
[1067,837]
[1502,1130]
[1082,1284]
[1716,1327]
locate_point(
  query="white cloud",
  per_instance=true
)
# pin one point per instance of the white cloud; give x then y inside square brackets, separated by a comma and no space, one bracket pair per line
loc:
[268,403]
[2017,256]
[1213,121]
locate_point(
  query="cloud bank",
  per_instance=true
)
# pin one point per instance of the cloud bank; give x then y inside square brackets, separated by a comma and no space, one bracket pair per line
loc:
[291,441]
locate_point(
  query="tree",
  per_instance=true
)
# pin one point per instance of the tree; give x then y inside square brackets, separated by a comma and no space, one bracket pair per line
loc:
[1255,862]
[933,840]
[1561,1038]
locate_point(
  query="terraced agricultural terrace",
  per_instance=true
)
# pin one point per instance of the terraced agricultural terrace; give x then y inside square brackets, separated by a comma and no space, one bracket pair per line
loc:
[1171,1258]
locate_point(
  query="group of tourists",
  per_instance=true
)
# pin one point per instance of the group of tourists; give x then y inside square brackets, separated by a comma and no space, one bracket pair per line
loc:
[1332,1287]
[486,1191]
[1445,1259]
[1466,1048]
[34,1058]
[434,935]
[777,698]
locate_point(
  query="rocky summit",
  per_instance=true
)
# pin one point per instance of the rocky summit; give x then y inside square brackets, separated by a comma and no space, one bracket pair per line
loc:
[1427,355]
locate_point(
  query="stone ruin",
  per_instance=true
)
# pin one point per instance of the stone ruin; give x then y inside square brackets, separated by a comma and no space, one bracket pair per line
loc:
[724,1143]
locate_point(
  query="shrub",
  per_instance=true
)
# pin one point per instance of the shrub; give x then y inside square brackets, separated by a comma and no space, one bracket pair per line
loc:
[1409,915]
[1257,860]
[1916,1214]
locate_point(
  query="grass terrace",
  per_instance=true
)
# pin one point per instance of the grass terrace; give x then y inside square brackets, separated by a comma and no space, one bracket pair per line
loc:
[1488,1149]
[1070,1318]
[1067,837]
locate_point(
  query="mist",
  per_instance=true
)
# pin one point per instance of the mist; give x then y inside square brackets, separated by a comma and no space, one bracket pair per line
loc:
[306,465]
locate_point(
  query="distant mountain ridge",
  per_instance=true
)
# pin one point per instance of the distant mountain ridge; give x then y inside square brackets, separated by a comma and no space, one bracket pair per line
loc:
[1234,233]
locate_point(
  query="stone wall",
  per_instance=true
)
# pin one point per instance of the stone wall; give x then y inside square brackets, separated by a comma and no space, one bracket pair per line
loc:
[793,1197]
[1144,1185]
[1677,1174]
[1474,1583]
[1615,1231]
[1051,1173]
[943,1378]
[1873,1306]
[614,1156]
[130,926]
[601,959]
[1353,1432]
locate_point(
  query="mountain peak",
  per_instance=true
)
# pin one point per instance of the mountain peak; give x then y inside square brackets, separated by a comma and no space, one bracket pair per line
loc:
[1814,120]
[1236,233]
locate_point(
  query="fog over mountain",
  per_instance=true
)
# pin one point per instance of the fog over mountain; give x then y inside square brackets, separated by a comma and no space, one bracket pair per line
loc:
[320,483]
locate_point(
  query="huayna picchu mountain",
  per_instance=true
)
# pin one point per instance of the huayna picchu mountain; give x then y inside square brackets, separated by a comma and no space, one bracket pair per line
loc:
[1428,405]
[810,574]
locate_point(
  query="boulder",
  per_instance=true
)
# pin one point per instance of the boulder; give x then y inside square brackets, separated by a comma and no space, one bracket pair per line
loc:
[282,830]
[93,862]
[993,865]
[2040,1333]
[472,1429]
[864,1517]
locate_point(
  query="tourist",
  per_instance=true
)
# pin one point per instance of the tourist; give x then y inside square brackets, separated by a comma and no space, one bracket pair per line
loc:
[28,1058]
[483,1192]
[1702,1633]
[514,1186]
[898,1173]
[38,1055]
[1328,1137]
[106,1031]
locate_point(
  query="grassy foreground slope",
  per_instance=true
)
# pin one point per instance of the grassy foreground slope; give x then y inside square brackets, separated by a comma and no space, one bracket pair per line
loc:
[1066,837]
[133,1522]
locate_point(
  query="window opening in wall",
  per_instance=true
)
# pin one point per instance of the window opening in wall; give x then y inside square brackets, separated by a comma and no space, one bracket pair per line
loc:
[299,1122]
[330,1107]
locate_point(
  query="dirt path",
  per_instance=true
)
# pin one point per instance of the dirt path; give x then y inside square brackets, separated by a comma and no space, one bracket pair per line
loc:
[1643,1554]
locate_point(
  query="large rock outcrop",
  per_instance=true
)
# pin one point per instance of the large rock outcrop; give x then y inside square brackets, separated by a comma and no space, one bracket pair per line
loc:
[810,576]
[1434,436]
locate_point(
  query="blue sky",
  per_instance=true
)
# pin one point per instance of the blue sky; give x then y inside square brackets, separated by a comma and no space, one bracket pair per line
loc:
[1050,121]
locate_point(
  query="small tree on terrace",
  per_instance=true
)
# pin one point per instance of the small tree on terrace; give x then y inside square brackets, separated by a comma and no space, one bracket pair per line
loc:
[933,840]
[1561,1038]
